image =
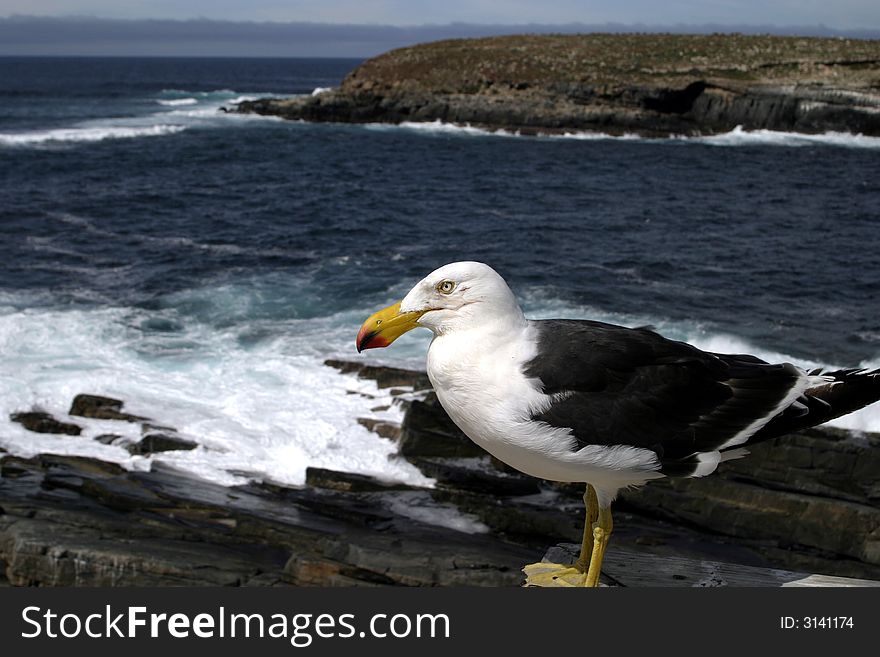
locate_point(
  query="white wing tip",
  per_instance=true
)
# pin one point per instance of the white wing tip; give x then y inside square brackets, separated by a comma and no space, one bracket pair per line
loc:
[707,462]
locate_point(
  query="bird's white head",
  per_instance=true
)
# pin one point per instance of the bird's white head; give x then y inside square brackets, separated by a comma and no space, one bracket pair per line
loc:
[456,296]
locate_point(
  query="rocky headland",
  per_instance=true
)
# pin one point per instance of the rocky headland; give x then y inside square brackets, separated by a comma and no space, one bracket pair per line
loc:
[806,502]
[650,84]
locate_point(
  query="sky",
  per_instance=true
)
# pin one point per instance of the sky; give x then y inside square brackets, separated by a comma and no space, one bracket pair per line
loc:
[837,13]
[358,28]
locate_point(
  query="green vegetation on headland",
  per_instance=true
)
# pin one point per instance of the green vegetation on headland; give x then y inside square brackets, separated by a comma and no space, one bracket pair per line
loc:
[646,83]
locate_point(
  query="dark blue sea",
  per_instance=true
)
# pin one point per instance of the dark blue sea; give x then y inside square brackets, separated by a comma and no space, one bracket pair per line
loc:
[201,265]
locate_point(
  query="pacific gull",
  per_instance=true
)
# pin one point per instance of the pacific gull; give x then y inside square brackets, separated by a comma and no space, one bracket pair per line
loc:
[586,401]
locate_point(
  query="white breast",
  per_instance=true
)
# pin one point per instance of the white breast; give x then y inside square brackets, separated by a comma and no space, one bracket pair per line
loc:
[479,379]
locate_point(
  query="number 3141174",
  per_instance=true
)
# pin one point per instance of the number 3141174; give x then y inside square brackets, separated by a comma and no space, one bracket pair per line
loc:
[816,622]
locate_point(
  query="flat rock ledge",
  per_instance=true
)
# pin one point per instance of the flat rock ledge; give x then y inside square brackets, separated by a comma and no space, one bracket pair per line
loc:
[804,503]
[626,567]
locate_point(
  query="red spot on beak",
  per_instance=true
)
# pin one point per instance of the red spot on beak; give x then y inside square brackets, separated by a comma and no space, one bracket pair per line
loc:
[369,339]
[384,327]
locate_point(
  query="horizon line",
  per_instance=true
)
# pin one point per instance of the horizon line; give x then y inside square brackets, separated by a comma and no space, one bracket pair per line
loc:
[88,36]
[456,24]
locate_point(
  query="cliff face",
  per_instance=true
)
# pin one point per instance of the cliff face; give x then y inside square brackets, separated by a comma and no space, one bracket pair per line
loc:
[650,84]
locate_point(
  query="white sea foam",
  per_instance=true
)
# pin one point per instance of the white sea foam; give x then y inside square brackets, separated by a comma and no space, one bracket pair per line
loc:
[740,137]
[240,99]
[584,135]
[176,102]
[267,407]
[439,127]
[736,137]
[317,91]
[254,394]
[181,110]
[202,109]
[86,134]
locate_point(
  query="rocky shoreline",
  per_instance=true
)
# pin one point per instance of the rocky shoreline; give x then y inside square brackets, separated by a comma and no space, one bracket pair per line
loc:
[806,502]
[648,84]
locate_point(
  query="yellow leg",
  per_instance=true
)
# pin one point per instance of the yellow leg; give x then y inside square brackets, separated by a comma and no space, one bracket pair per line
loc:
[554,574]
[592,514]
[601,535]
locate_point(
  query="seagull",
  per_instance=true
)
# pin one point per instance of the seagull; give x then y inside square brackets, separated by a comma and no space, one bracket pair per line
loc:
[605,405]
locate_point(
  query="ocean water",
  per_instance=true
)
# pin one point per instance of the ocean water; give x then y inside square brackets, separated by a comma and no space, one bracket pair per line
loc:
[202,265]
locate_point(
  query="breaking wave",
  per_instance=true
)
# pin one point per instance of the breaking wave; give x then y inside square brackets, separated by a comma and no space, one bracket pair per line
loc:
[439,127]
[176,102]
[239,370]
[740,137]
[181,111]
[254,395]
[86,134]
[736,137]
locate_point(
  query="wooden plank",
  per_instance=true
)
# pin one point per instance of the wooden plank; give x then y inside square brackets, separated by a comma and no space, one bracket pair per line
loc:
[626,567]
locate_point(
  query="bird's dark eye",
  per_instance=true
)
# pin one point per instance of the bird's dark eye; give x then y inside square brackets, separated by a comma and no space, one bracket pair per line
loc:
[445,287]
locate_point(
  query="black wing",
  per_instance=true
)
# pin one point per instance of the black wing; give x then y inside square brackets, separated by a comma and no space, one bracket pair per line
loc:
[634,387]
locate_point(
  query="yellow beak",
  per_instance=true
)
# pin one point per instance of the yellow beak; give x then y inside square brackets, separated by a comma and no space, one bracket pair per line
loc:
[384,327]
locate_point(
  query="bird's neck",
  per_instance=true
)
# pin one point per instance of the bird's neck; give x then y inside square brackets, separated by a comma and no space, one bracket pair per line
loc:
[477,317]
[481,345]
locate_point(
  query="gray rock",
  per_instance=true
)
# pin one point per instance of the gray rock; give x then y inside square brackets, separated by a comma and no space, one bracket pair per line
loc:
[825,462]
[476,475]
[791,520]
[74,521]
[41,422]
[640,110]
[148,427]
[108,438]
[348,481]
[409,559]
[101,408]
[427,431]
[806,502]
[808,494]
[384,429]
[385,377]
[160,442]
